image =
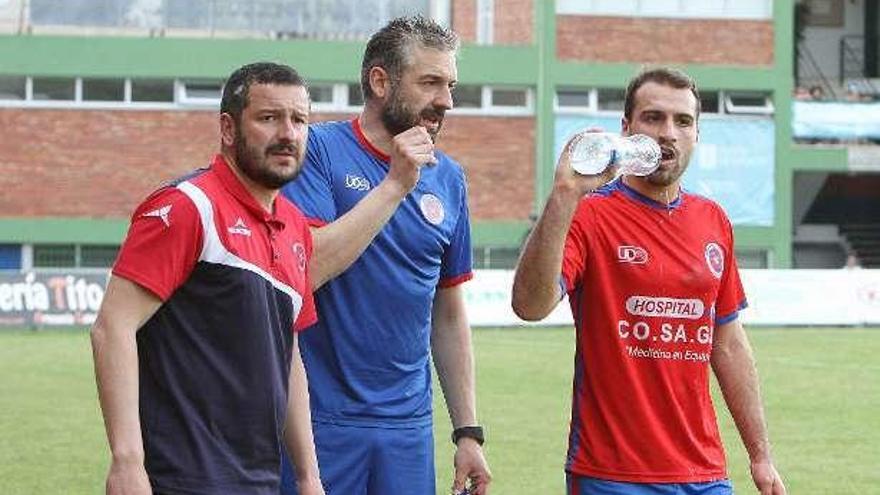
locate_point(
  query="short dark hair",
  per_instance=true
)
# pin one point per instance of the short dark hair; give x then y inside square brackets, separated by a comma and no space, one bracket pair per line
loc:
[666,76]
[238,85]
[389,47]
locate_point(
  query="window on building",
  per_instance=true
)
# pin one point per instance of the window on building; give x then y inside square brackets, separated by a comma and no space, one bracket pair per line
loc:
[467,96]
[152,90]
[97,256]
[613,7]
[321,93]
[200,92]
[74,255]
[485,21]
[103,89]
[709,101]
[704,8]
[502,97]
[574,99]
[658,8]
[748,102]
[324,19]
[610,99]
[13,87]
[10,256]
[355,96]
[54,255]
[473,99]
[744,8]
[54,88]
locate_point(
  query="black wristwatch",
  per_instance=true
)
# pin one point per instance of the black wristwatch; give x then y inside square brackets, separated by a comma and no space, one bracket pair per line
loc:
[474,432]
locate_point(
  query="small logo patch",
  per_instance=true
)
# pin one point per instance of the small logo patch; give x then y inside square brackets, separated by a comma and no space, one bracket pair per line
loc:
[632,254]
[161,213]
[240,228]
[300,251]
[714,259]
[357,182]
[432,209]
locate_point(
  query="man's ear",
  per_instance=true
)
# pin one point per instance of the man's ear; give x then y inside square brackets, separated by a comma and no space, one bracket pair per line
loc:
[624,126]
[228,132]
[380,82]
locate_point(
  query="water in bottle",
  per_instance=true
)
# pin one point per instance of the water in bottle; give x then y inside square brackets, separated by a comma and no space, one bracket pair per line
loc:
[592,152]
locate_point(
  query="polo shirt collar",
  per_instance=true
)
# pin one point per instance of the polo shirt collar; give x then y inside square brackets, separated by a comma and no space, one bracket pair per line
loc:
[234,186]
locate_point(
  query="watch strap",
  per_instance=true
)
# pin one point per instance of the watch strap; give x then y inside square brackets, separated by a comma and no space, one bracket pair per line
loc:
[474,432]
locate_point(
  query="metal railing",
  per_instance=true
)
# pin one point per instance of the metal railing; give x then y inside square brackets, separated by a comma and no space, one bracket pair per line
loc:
[812,71]
[852,63]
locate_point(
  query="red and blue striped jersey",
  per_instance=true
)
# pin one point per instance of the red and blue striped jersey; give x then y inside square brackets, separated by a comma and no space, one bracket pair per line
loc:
[648,284]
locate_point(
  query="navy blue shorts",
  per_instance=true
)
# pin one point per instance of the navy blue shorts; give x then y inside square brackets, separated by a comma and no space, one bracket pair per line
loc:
[357,460]
[582,485]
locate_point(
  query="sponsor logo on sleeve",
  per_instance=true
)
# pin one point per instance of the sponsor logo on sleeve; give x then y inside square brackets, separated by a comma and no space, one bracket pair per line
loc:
[162,213]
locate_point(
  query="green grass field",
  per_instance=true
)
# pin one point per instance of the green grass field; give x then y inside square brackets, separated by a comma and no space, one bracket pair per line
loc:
[821,389]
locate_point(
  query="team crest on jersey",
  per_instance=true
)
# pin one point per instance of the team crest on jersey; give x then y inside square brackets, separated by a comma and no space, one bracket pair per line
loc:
[715,259]
[300,251]
[432,209]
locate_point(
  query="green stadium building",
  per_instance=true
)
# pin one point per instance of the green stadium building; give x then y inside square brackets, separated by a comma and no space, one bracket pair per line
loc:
[103,100]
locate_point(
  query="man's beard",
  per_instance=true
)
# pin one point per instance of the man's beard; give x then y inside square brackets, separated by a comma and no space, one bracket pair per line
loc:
[670,176]
[253,163]
[397,116]
[665,177]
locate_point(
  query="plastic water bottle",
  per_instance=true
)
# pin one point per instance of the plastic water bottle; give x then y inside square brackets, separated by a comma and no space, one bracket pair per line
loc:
[592,152]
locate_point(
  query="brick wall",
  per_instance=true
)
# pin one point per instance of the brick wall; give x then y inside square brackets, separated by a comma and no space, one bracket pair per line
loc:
[95,163]
[676,41]
[101,164]
[464,19]
[514,22]
[498,155]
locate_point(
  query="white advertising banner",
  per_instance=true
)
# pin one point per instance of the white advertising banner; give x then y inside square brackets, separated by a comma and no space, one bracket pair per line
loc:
[775,297]
[488,301]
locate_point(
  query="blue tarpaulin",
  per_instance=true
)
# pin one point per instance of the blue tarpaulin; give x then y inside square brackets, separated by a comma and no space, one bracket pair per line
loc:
[835,120]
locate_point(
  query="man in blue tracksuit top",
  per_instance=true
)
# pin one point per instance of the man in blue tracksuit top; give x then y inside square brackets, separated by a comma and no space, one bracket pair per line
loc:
[367,358]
